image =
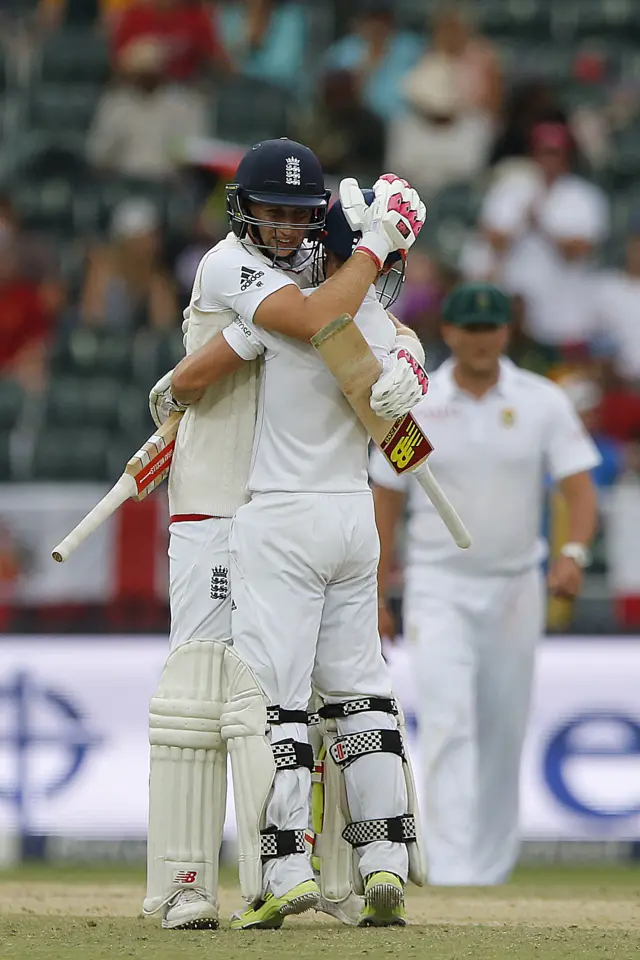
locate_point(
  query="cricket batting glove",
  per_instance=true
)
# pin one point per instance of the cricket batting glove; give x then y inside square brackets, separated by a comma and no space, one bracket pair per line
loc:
[161,402]
[392,222]
[401,386]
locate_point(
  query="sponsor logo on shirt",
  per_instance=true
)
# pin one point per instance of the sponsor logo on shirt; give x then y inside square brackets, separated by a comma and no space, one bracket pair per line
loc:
[249,277]
[508,416]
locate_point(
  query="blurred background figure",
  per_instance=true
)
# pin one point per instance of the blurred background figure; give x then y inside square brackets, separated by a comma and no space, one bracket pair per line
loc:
[618,308]
[127,286]
[586,396]
[378,53]
[266,40]
[26,322]
[342,132]
[142,122]
[185,28]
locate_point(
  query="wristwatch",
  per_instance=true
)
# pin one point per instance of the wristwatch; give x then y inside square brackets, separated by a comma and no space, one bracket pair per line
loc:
[578,552]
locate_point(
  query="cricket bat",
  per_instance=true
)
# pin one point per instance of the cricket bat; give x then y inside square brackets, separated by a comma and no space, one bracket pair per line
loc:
[404,444]
[146,469]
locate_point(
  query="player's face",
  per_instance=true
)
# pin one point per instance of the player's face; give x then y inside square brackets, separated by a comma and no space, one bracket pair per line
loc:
[293,223]
[478,348]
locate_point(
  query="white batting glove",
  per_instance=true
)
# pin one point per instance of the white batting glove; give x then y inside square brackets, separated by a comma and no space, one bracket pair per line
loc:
[161,402]
[401,386]
[356,211]
[396,218]
[185,325]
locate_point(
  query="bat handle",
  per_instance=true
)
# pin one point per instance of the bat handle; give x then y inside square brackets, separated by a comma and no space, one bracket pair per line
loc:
[121,491]
[445,508]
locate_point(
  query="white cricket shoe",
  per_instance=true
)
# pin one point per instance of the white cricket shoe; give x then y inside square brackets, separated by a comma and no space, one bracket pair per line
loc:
[190,910]
[346,911]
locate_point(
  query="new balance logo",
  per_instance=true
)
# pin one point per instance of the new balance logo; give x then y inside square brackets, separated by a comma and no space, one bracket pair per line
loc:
[247,277]
[186,876]
[219,583]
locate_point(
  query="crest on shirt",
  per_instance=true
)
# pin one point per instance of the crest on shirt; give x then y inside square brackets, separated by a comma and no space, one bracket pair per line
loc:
[249,277]
[219,583]
[508,416]
[292,172]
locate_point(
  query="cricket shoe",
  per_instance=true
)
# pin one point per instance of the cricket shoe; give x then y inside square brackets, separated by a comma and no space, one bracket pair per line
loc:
[269,914]
[190,910]
[383,901]
[346,911]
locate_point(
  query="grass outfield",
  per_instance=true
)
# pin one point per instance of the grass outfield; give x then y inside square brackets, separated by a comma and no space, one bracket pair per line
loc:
[78,912]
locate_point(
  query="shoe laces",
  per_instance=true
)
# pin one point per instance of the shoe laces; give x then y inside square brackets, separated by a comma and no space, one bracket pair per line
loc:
[190,895]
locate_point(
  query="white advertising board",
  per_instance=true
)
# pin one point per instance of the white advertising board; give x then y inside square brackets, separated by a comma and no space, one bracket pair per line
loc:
[74,751]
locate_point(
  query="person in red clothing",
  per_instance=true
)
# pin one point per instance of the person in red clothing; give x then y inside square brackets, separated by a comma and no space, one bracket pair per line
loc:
[25,323]
[184,26]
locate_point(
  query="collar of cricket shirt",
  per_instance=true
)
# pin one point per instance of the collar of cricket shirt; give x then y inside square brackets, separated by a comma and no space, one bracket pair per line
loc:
[503,388]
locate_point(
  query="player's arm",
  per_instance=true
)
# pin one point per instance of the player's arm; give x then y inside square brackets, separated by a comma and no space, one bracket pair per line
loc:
[580,495]
[389,492]
[289,313]
[197,371]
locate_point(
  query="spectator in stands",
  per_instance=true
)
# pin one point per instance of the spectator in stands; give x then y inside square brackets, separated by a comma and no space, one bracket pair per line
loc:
[25,322]
[184,27]
[342,132]
[127,287]
[618,306]
[539,227]
[438,140]
[266,40]
[379,54]
[35,257]
[140,123]
[475,64]
[528,103]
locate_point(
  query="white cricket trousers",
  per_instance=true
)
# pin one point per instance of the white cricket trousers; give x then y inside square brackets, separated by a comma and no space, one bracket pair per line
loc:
[303,582]
[199,591]
[472,642]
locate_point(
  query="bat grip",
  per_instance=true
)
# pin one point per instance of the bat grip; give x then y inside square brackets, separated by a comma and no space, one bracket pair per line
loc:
[121,491]
[443,505]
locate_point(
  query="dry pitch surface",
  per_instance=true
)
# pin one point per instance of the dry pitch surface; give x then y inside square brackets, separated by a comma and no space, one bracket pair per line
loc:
[546,913]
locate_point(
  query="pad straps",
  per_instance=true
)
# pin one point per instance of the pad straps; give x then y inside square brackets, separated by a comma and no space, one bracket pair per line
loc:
[348,748]
[337,711]
[280,843]
[396,829]
[289,754]
[277,714]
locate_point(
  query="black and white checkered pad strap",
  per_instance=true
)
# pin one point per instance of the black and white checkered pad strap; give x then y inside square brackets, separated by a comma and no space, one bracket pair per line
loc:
[277,715]
[289,754]
[280,843]
[395,829]
[353,745]
[337,711]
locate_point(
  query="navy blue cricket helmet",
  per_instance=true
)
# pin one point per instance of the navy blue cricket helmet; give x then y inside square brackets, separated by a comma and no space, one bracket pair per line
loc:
[279,173]
[339,239]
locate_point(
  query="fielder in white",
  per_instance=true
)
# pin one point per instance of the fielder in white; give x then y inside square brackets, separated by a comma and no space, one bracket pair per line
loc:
[207,700]
[472,619]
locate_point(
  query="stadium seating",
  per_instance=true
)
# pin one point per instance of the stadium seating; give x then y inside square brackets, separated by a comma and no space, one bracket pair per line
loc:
[11,402]
[71,454]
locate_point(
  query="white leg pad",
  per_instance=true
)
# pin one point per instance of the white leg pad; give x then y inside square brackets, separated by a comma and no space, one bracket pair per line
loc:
[187,784]
[416,850]
[244,728]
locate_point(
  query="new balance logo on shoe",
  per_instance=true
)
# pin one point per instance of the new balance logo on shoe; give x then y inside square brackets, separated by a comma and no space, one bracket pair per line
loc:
[248,277]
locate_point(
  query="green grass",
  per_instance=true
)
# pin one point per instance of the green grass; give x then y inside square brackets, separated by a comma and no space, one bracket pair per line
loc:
[589,912]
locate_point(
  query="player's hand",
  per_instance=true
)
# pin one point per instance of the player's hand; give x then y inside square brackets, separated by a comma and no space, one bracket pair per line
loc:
[401,386]
[354,207]
[565,578]
[161,402]
[386,622]
[397,217]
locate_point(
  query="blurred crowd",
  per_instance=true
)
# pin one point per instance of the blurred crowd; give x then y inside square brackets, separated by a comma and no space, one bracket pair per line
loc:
[517,166]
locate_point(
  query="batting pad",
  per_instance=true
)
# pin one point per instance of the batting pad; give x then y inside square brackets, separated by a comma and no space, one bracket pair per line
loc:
[417,860]
[187,784]
[243,728]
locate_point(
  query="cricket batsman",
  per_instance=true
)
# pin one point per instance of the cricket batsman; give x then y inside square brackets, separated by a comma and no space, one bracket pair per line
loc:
[208,700]
[472,619]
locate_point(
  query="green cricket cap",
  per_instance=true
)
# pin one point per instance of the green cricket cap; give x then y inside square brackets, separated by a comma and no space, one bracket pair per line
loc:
[469,304]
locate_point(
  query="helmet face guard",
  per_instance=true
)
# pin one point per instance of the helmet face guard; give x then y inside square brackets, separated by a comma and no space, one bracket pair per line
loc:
[340,240]
[278,173]
[246,226]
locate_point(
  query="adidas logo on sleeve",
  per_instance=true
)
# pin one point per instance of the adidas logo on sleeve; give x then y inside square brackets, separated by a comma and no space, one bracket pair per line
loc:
[249,277]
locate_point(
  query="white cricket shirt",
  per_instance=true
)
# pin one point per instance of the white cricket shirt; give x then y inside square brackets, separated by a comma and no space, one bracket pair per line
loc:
[308,439]
[490,457]
[213,448]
